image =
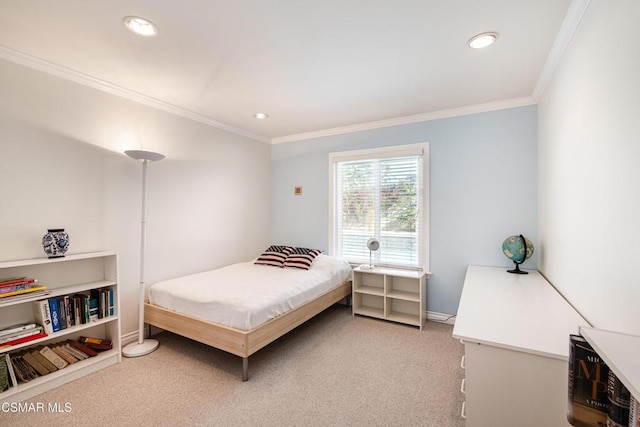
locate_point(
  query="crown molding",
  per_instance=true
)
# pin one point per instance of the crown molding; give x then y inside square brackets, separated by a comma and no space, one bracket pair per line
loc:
[417,118]
[104,86]
[575,13]
[569,26]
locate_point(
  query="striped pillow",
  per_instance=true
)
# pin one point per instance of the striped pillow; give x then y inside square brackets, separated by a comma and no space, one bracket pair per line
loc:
[274,255]
[301,258]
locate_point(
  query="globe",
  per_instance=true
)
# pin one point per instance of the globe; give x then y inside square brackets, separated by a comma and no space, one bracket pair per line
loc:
[518,249]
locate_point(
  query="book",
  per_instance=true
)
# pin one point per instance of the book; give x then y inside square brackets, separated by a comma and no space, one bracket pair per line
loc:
[42,314]
[99,347]
[93,340]
[53,357]
[97,344]
[97,304]
[17,286]
[5,283]
[23,340]
[11,280]
[12,373]
[9,330]
[21,334]
[24,371]
[111,304]
[76,308]
[4,375]
[619,400]
[75,352]
[634,412]
[42,360]
[28,296]
[62,352]
[68,311]
[86,350]
[34,363]
[93,309]
[30,291]
[83,307]
[103,304]
[587,385]
[62,313]
[55,316]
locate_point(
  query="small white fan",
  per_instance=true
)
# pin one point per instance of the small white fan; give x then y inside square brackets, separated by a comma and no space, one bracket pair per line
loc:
[373,245]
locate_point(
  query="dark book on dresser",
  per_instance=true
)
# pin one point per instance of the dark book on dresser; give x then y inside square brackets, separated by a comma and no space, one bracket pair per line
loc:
[588,400]
[619,402]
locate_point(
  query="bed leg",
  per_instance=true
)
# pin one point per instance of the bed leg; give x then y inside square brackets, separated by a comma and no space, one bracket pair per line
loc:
[245,369]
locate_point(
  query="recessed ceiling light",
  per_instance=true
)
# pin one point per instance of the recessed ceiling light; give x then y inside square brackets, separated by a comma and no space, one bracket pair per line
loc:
[482,40]
[140,26]
[261,115]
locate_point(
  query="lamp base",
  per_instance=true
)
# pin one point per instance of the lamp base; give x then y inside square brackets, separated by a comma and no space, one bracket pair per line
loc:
[140,349]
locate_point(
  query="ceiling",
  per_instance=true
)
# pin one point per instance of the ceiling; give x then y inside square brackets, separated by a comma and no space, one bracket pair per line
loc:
[313,66]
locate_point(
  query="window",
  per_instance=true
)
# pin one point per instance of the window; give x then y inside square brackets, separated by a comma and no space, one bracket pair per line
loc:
[380,193]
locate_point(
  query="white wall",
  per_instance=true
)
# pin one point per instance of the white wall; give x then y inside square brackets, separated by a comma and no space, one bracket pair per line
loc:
[209,201]
[589,148]
[45,181]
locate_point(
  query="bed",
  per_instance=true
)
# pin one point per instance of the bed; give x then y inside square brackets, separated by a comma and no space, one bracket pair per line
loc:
[245,306]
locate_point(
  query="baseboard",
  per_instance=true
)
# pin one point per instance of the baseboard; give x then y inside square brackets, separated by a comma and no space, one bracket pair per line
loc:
[449,319]
[133,336]
[129,338]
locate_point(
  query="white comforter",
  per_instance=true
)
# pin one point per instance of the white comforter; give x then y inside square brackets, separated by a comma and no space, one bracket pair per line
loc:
[245,295]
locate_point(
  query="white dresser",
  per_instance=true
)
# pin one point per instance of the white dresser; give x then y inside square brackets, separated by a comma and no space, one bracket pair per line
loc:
[515,330]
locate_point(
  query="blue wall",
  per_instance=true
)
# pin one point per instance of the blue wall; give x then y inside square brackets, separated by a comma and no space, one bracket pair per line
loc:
[483,188]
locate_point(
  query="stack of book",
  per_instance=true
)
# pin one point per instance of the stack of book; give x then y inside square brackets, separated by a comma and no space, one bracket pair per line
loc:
[26,365]
[58,313]
[97,344]
[18,334]
[15,287]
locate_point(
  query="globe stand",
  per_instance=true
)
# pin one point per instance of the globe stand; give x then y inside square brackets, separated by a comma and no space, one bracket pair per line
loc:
[517,269]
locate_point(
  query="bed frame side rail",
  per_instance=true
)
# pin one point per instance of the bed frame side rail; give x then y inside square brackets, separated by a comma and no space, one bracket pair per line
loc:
[222,337]
[277,327]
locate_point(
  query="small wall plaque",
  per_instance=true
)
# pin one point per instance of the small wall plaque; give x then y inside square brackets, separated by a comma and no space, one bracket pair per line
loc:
[297,191]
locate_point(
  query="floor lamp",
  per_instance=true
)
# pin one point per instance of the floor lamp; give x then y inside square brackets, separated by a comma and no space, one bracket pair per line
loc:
[143,346]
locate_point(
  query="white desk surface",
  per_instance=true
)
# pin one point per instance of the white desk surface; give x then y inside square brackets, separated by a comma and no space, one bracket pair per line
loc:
[520,312]
[413,274]
[620,352]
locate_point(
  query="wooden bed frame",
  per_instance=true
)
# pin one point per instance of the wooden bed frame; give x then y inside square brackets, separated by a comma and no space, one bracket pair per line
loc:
[235,341]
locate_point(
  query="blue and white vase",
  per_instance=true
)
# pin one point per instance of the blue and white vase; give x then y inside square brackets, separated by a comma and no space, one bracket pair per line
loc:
[55,243]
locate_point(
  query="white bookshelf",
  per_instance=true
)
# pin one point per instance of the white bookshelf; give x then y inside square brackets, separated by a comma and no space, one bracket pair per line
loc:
[63,276]
[390,294]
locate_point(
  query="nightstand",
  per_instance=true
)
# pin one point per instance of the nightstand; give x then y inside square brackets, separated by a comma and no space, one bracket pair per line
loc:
[390,294]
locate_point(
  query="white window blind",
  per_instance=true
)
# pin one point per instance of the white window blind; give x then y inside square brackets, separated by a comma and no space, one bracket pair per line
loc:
[381,194]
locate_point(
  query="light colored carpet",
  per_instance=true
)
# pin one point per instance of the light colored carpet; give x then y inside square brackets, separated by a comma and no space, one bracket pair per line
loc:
[336,369]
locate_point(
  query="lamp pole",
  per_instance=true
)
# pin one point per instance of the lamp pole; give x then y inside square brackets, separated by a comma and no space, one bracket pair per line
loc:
[143,346]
